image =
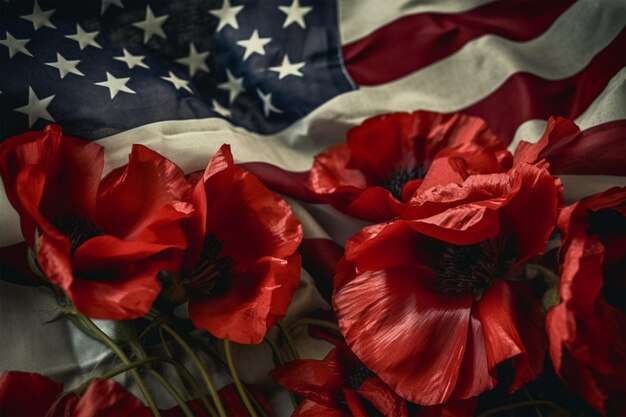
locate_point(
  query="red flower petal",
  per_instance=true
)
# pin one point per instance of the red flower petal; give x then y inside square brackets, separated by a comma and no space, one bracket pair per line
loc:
[355,403]
[312,409]
[461,408]
[107,398]
[384,399]
[141,190]
[316,380]
[413,339]
[27,394]
[72,168]
[253,301]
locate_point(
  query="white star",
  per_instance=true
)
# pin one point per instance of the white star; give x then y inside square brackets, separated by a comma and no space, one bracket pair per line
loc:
[295,14]
[267,103]
[234,86]
[286,68]
[227,15]
[106,3]
[15,45]
[64,66]
[152,25]
[219,109]
[177,82]
[39,18]
[36,109]
[115,85]
[84,39]
[132,60]
[195,60]
[254,45]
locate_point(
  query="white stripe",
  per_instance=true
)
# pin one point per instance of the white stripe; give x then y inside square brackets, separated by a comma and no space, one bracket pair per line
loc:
[610,105]
[454,83]
[359,18]
[576,187]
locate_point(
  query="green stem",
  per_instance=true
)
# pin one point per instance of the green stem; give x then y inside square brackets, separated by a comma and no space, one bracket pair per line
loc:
[281,362]
[523,404]
[172,391]
[184,375]
[315,322]
[289,340]
[198,362]
[235,376]
[96,332]
[537,410]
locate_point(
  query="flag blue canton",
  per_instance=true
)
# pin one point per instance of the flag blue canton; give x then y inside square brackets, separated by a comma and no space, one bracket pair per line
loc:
[103,67]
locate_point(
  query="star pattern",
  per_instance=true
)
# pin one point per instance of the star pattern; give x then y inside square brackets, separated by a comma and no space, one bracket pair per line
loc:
[195,60]
[15,45]
[39,18]
[219,109]
[36,108]
[268,107]
[286,68]
[115,85]
[106,3]
[85,39]
[132,60]
[234,86]
[227,15]
[65,66]
[295,14]
[254,45]
[177,82]
[152,25]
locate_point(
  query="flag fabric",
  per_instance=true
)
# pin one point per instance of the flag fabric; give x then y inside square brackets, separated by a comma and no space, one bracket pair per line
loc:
[281,80]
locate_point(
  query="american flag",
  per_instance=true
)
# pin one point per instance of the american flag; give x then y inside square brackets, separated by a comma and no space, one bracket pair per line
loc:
[282,79]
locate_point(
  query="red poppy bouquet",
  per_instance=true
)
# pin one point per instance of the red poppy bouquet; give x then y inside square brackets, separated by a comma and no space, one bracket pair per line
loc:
[473,289]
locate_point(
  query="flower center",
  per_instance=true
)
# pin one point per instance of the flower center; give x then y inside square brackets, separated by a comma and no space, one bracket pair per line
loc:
[398,178]
[212,272]
[463,269]
[358,376]
[77,229]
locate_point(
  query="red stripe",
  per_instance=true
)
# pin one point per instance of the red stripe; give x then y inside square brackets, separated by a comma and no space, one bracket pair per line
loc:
[523,96]
[289,183]
[412,42]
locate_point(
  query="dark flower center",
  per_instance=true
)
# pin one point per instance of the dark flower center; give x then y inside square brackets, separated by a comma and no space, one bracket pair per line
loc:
[358,376]
[77,229]
[211,274]
[398,178]
[463,269]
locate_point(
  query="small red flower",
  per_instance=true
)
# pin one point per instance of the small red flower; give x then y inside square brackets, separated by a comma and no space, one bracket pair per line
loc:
[32,395]
[233,405]
[433,304]
[242,265]
[387,158]
[338,385]
[587,330]
[102,241]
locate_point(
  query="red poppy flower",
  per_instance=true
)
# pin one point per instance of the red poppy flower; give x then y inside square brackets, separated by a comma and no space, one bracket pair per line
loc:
[338,385]
[233,405]
[242,265]
[32,395]
[433,304]
[387,158]
[102,242]
[587,330]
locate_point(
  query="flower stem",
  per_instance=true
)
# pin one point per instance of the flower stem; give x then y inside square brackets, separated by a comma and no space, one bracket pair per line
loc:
[289,340]
[235,376]
[98,334]
[281,361]
[523,404]
[172,391]
[530,398]
[198,362]
[315,322]
[184,374]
